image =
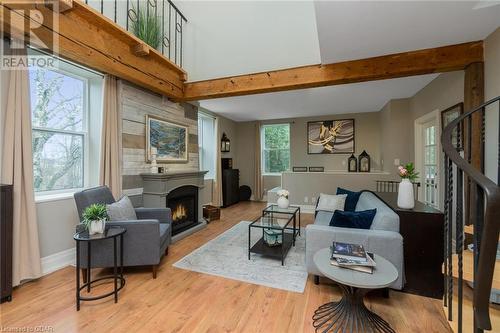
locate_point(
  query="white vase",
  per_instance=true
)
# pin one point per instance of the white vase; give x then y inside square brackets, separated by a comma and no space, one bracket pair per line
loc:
[283,202]
[406,198]
[97,227]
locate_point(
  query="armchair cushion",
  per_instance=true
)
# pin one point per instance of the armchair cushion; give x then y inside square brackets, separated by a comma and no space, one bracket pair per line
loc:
[122,210]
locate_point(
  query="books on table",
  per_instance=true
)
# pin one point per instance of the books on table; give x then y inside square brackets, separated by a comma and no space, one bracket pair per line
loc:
[352,256]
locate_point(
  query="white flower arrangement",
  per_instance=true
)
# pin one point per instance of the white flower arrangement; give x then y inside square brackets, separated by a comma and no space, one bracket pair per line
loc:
[283,193]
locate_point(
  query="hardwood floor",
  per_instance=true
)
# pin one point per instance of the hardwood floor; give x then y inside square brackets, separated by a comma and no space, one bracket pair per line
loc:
[185,301]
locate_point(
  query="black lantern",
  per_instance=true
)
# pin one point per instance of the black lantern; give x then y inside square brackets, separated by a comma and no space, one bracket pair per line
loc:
[225,144]
[352,164]
[364,162]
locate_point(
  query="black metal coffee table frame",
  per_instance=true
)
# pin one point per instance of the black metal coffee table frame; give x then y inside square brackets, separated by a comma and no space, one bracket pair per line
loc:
[278,251]
[84,237]
[273,208]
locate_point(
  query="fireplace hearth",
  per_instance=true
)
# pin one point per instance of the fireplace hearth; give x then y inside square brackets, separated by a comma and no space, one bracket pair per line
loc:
[183,202]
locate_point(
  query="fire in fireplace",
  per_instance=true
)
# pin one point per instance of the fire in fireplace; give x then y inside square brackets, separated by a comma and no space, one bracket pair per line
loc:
[179,213]
[183,202]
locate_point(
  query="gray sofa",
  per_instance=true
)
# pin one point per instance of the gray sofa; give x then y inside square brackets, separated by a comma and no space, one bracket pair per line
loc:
[383,238]
[145,242]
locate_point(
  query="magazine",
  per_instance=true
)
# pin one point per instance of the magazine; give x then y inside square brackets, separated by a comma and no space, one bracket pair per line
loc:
[348,251]
[363,269]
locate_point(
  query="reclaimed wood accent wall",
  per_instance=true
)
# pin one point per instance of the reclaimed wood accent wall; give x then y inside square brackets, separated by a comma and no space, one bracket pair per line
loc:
[135,103]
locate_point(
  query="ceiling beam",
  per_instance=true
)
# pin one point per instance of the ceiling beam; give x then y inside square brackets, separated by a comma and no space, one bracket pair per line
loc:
[84,36]
[427,61]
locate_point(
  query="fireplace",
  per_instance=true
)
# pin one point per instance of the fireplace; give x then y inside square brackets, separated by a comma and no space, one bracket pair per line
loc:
[183,201]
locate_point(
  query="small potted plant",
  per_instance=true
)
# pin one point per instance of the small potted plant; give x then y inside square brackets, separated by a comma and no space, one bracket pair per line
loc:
[406,198]
[94,218]
[283,198]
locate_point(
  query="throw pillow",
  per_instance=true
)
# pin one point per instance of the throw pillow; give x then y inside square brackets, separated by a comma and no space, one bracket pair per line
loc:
[357,220]
[331,203]
[352,199]
[122,210]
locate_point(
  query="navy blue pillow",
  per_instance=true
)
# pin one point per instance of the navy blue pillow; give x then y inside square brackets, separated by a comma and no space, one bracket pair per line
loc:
[352,199]
[357,220]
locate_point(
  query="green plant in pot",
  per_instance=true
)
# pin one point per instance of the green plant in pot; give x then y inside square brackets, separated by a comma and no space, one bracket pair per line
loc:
[94,218]
[147,27]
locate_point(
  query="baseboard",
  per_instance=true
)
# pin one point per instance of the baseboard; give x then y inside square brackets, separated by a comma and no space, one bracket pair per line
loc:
[58,260]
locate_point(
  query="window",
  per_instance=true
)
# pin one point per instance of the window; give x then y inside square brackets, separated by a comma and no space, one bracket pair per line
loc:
[275,143]
[60,128]
[207,144]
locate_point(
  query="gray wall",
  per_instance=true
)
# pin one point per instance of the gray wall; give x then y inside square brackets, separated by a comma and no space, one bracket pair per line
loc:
[367,137]
[492,90]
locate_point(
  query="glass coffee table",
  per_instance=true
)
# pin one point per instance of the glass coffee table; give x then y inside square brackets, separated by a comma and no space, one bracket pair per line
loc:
[290,210]
[277,222]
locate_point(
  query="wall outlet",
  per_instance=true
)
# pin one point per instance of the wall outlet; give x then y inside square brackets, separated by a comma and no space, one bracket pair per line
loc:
[306,199]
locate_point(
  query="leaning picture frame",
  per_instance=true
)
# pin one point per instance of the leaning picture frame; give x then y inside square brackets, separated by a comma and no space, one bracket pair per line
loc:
[168,139]
[447,116]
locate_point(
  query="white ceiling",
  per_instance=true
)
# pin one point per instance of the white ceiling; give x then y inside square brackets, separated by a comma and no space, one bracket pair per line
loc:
[348,98]
[225,38]
[350,30]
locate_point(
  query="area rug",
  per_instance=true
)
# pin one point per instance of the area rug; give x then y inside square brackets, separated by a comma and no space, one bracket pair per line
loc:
[227,256]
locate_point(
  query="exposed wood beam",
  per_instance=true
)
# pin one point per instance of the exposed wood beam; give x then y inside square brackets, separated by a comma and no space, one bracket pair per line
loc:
[435,60]
[87,37]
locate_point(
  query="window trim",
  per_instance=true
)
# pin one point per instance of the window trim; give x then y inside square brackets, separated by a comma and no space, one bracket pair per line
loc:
[201,115]
[263,149]
[43,196]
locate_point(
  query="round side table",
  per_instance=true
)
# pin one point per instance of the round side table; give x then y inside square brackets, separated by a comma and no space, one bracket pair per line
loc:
[84,237]
[350,313]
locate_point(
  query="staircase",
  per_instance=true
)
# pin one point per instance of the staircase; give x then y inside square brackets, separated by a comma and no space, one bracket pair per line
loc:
[472,212]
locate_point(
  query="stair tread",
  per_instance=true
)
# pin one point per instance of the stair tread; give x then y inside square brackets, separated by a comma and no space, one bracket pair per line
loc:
[468,269]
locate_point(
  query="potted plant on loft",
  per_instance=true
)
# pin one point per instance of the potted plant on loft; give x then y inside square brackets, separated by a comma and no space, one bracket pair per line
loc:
[147,27]
[94,218]
[406,198]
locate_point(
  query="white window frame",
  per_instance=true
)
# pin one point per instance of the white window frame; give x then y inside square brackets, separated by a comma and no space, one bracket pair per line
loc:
[263,149]
[200,144]
[84,75]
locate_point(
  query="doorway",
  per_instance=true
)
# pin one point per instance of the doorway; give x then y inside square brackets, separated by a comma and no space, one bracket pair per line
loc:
[427,163]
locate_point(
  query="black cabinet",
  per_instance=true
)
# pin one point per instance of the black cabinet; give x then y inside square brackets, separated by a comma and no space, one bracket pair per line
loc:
[230,187]
[6,208]
[422,229]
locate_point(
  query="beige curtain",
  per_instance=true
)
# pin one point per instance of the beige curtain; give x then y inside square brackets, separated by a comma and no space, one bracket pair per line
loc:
[258,165]
[110,168]
[217,185]
[17,169]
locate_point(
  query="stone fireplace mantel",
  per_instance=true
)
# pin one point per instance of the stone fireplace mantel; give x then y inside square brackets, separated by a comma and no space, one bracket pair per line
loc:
[157,186]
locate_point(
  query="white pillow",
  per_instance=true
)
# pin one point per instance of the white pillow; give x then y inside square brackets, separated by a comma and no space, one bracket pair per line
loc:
[331,203]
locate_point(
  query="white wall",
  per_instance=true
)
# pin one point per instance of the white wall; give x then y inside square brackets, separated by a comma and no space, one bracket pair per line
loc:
[224,38]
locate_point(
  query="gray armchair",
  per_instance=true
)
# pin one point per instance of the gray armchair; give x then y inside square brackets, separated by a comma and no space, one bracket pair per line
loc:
[145,242]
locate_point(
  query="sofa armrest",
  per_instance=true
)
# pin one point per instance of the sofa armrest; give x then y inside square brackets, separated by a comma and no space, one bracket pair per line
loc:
[163,215]
[388,244]
[141,244]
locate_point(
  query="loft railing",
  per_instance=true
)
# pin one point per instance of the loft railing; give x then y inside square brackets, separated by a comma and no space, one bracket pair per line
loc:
[171,21]
[464,181]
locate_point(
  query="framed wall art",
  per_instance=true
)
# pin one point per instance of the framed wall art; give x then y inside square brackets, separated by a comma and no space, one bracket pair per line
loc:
[167,139]
[447,116]
[330,137]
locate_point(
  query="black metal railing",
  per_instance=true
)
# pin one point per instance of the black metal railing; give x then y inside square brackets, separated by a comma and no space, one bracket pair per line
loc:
[171,20]
[476,196]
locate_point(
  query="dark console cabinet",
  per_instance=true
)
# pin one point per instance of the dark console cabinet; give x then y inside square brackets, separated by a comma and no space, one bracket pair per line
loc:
[230,187]
[6,207]
[422,229]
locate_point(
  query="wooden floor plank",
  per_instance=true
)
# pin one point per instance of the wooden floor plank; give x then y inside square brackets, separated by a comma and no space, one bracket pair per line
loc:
[184,301]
